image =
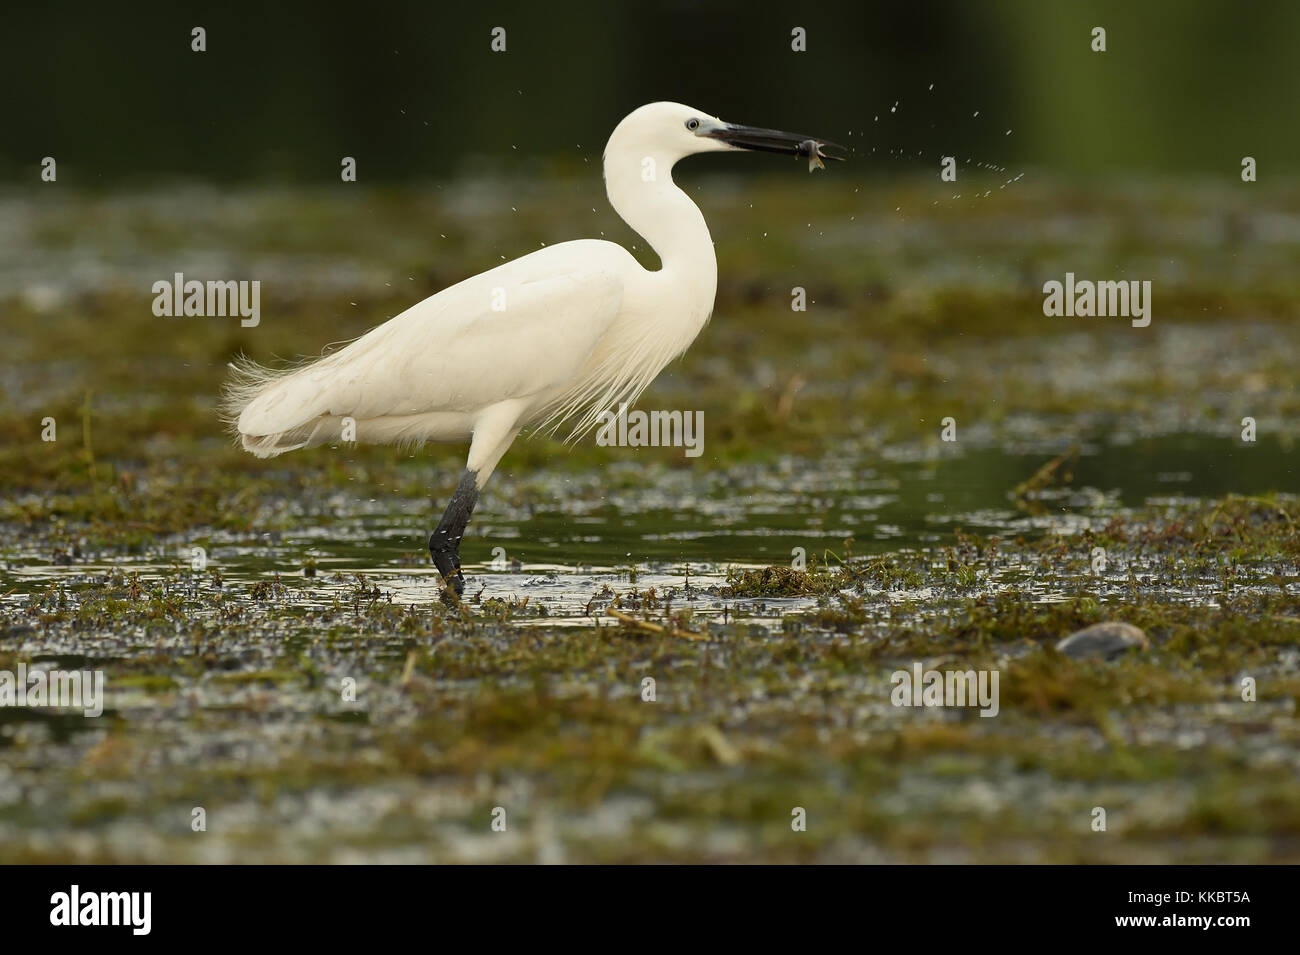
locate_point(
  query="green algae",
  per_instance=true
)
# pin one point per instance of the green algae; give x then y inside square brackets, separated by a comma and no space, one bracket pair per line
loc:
[308,689]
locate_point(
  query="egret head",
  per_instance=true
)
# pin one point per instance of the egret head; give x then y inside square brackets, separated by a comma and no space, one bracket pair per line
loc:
[671,131]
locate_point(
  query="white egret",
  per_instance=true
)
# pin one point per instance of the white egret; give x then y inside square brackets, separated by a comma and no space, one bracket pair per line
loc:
[567,331]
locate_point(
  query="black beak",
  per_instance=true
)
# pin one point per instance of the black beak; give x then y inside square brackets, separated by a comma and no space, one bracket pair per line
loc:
[775,141]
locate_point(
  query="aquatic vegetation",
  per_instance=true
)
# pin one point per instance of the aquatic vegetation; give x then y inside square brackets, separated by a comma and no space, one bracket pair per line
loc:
[301,680]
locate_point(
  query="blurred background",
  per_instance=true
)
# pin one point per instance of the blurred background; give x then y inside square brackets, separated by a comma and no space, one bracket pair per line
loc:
[414,90]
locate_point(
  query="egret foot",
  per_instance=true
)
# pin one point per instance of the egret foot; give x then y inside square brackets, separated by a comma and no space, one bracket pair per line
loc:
[448,563]
[444,542]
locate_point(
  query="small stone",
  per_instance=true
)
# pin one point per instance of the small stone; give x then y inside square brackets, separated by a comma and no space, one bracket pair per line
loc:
[1106,640]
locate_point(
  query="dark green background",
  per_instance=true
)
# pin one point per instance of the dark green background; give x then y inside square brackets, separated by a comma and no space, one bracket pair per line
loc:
[413,90]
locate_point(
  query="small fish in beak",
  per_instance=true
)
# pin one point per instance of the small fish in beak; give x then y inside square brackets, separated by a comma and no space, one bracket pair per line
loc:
[813,151]
[775,141]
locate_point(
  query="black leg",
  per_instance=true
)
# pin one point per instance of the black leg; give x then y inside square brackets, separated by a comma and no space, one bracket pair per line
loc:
[444,542]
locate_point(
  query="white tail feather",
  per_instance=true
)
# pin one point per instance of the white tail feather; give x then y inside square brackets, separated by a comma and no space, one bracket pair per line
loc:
[248,382]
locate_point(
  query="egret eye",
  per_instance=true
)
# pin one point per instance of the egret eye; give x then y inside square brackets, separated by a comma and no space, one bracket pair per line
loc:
[692,124]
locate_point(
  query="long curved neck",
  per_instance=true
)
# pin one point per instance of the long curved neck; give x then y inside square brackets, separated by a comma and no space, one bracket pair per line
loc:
[642,192]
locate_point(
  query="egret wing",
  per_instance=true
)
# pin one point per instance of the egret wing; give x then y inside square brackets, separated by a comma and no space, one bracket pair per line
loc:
[508,333]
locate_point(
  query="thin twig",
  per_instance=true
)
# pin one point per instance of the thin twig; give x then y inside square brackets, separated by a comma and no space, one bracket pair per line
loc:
[649,627]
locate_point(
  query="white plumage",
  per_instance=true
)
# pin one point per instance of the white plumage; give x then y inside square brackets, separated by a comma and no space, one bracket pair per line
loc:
[564,332]
[567,330]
